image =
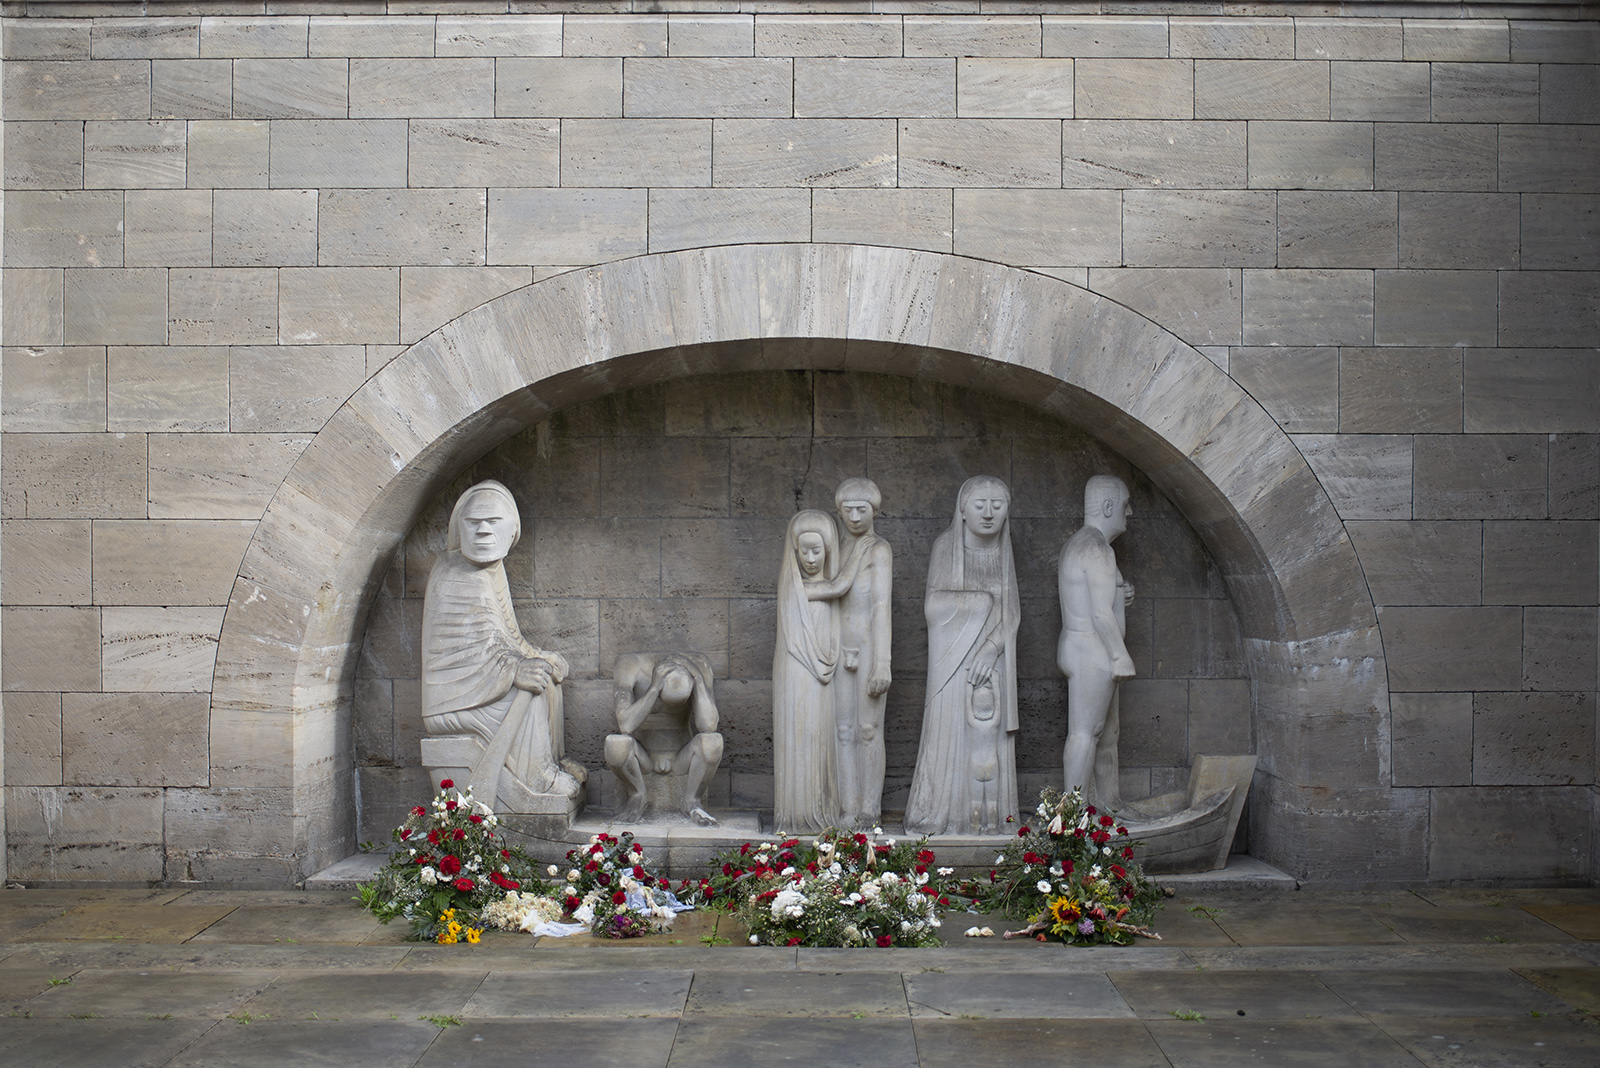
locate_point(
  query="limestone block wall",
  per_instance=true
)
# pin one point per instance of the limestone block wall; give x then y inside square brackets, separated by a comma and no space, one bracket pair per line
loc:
[654,518]
[1379,221]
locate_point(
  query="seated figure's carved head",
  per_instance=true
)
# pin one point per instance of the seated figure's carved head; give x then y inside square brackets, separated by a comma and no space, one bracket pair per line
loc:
[858,501]
[485,523]
[677,679]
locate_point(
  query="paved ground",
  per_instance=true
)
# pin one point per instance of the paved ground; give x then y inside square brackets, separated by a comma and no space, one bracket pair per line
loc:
[123,978]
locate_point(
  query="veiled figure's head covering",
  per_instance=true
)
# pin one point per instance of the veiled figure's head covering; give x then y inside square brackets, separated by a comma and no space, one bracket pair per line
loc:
[814,646]
[488,486]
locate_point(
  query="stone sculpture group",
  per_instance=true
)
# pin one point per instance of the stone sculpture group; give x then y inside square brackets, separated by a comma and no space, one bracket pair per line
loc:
[492,700]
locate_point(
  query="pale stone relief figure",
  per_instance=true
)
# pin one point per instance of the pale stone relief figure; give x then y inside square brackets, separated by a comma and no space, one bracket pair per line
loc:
[667,719]
[803,665]
[1093,653]
[862,683]
[966,776]
[490,700]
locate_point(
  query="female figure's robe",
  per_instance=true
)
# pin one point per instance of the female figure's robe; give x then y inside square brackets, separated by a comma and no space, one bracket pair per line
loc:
[971,599]
[805,794]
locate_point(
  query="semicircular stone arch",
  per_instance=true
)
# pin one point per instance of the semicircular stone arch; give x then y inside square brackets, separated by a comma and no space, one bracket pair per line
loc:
[1321,806]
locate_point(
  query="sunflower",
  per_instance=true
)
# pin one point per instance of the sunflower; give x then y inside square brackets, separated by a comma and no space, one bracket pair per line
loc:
[1064,910]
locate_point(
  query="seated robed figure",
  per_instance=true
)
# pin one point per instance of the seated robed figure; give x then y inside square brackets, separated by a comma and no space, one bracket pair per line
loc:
[491,700]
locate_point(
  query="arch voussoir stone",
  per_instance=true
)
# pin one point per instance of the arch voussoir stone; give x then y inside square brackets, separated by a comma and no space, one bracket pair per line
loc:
[288,644]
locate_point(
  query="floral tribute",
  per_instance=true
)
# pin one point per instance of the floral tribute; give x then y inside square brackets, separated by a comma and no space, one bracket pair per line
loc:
[609,889]
[1073,878]
[449,865]
[840,890]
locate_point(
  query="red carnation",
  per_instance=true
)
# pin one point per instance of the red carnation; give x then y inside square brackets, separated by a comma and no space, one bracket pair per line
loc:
[450,865]
[637,848]
[506,853]
[433,836]
[475,818]
[458,834]
[593,865]
[1022,832]
[405,832]
[1092,810]
[619,898]
[450,806]
[884,941]
[1106,821]
[572,902]
[1127,853]
[638,872]
[419,811]
[464,884]
[445,784]
[794,941]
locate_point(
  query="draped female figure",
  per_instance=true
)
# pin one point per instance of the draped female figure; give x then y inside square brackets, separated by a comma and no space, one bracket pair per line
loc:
[805,794]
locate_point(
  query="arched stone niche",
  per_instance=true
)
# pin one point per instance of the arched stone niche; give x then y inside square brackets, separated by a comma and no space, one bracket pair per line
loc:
[287,657]
[654,518]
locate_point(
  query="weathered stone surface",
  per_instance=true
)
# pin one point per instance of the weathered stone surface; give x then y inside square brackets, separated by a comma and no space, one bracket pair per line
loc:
[167,228]
[1557,308]
[96,834]
[290,388]
[1470,230]
[263,228]
[1336,229]
[1575,476]
[116,307]
[1044,227]
[1308,155]
[158,649]
[1434,307]
[228,36]
[874,88]
[51,390]
[1480,39]
[1347,38]
[223,306]
[1532,739]
[711,35]
[1368,476]
[1485,92]
[1014,88]
[44,155]
[74,476]
[1308,307]
[106,89]
[1202,305]
[1420,562]
[228,154]
[708,88]
[1260,89]
[614,35]
[1549,159]
[167,388]
[688,218]
[191,89]
[1218,717]
[1299,387]
[828,35]
[558,87]
[1116,154]
[338,305]
[1531,834]
[362,35]
[432,296]
[1560,648]
[485,152]
[1452,649]
[374,228]
[638,152]
[1380,92]
[1433,157]
[566,226]
[47,38]
[167,561]
[1480,476]
[421,88]
[63,229]
[47,561]
[50,649]
[35,307]
[990,35]
[291,89]
[1431,739]
[801,152]
[218,476]
[514,35]
[1135,89]
[1105,36]
[1225,228]
[1554,42]
[990,153]
[1531,391]
[338,153]
[1560,232]
[144,38]
[139,155]
[1541,562]
[1570,93]
[33,739]
[907,218]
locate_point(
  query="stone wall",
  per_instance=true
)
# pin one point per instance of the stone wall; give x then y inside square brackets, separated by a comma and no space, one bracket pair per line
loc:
[219,226]
[654,518]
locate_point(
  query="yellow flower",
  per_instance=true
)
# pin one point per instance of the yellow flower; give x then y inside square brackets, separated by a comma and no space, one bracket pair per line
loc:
[473,934]
[455,929]
[446,937]
[447,915]
[1064,910]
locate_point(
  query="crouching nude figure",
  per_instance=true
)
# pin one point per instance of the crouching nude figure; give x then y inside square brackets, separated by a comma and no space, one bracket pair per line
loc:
[667,721]
[491,700]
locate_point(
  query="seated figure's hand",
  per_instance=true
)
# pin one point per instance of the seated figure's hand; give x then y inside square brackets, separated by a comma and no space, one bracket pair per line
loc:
[533,675]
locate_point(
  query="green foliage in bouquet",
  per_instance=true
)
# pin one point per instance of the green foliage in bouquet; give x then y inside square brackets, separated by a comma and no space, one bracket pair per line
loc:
[840,890]
[448,864]
[1073,878]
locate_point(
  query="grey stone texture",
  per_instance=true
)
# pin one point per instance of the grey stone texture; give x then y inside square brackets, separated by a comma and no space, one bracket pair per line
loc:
[222,228]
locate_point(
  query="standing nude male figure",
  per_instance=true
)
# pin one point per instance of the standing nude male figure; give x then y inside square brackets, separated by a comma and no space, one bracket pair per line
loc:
[1093,653]
[859,690]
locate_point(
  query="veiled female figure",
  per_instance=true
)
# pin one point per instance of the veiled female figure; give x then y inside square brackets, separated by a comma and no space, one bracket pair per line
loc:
[804,791]
[966,776]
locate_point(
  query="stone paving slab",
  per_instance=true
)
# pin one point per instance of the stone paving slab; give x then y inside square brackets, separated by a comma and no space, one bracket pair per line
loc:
[1460,923]
[119,994]
[1577,986]
[1404,955]
[308,1044]
[1467,1042]
[365,996]
[98,1043]
[854,994]
[845,1043]
[1454,992]
[1207,1043]
[289,924]
[1258,925]
[1576,920]
[73,955]
[964,1042]
[106,921]
[1258,995]
[1021,995]
[552,1044]
[611,993]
